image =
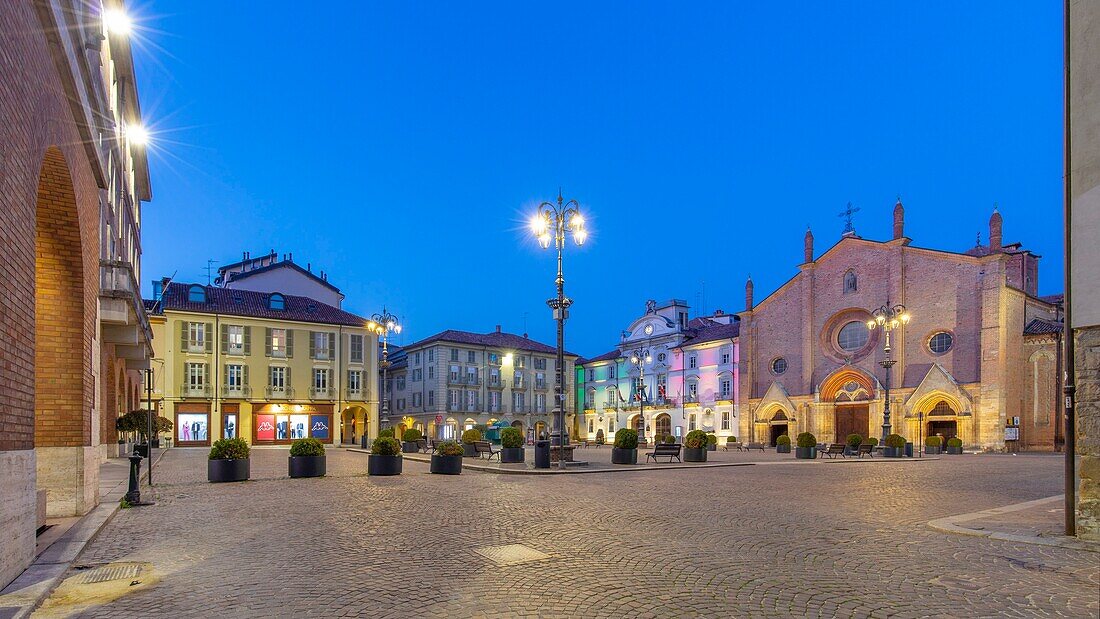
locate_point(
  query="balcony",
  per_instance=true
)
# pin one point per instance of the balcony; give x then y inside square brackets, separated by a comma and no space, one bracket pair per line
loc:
[124,322]
[496,383]
[237,391]
[195,391]
[453,379]
[519,410]
[473,381]
[357,394]
[321,393]
[609,405]
[279,393]
[519,385]
[474,406]
[541,385]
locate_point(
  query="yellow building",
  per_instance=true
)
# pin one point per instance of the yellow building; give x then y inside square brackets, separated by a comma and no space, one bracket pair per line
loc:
[267,367]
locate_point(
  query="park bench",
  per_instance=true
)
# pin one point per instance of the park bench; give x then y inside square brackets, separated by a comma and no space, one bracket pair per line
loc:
[833,450]
[865,448]
[739,446]
[485,447]
[422,445]
[749,446]
[664,450]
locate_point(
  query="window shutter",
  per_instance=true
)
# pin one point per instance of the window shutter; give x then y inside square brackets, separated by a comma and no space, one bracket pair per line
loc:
[287,383]
[289,343]
[312,344]
[244,376]
[205,374]
[267,334]
[209,337]
[225,339]
[270,375]
[331,345]
[183,336]
[248,340]
[225,376]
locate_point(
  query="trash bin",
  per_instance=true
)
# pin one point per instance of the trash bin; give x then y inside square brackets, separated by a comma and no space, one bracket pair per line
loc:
[909,449]
[542,454]
[363,442]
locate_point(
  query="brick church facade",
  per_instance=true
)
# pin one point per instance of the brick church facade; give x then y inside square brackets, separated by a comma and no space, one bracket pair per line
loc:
[980,358]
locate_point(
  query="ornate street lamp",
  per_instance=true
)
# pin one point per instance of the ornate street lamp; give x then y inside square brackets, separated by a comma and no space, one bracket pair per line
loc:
[639,358]
[382,324]
[548,226]
[888,319]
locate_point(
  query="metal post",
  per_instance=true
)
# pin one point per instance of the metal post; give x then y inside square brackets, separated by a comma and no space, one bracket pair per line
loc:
[1069,389]
[133,493]
[560,311]
[152,423]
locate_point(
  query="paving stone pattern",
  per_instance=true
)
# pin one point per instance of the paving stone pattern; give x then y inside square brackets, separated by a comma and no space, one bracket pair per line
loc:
[805,539]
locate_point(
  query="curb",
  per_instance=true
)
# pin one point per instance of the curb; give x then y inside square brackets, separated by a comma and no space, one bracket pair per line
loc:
[20,598]
[952,524]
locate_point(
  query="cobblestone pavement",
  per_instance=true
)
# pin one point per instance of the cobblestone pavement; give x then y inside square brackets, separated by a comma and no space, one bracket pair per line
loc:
[781,540]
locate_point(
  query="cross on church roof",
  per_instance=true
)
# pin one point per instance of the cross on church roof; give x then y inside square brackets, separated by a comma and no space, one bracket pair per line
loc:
[847,214]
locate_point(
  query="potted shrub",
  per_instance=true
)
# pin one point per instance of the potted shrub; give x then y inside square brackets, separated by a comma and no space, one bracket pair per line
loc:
[385,457]
[894,446]
[600,438]
[932,445]
[386,433]
[805,446]
[872,441]
[625,449]
[511,445]
[954,445]
[469,437]
[712,441]
[163,426]
[447,459]
[852,443]
[228,460]
[408,440]
[307,458]
[783,444]
[669,439]
[695,446]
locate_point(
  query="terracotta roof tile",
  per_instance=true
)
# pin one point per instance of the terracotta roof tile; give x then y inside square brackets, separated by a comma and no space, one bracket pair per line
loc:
[233,302]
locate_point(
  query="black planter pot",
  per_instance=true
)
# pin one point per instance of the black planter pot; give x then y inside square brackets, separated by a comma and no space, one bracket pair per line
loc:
[805,453]
[711,447]
[849,450]
[695,455]
[383,465]
[446,465]
[932,451]
[892,452]
[408,447]
[156,443]
[218,471]
[142,449]
[782,449]
[469,450]
[955,451]
[306,466]
[624,456]
[511,454]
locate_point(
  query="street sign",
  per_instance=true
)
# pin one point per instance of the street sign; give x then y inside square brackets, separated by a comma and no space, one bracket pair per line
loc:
[1012,433]
[439,418]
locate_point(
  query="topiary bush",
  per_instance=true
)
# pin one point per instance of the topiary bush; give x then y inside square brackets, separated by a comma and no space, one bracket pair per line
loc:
[731,439]
[303,447]
[600,438]
[871,441]
[411,435]
[625,438]
[783,439]
[854,440]
[696,439]
[896,441]
[954,441]
[712,439]
[451,448]
[229,449]
[385,446]
[471,436]
[669,439]
[933,441]
[806,439]
[388,432]
[512,438]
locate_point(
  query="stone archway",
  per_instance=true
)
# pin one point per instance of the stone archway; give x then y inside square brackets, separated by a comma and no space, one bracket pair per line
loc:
[663,424]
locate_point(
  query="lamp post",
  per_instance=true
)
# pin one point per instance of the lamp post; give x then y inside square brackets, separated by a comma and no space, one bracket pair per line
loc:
[548,225]
[639,357]
[888,318]
[382,324]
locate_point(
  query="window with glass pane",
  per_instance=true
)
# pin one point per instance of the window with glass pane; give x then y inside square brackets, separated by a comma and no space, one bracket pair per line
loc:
[852,336]
[278,378]
[693,361]
[320,345]
[355,348]
[726,421]
[940,342]
[726,385]
[278,342]
[454,354]
[320,379]
[196,375]
[693,389]
[355,380]
[196,336]
[234,376]
[236,339]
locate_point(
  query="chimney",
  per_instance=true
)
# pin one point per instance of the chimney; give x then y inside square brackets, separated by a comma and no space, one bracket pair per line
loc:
[719,312]
[748,294]
[899,220]
[995,230]
[808,248]
[309,267]
[498,328]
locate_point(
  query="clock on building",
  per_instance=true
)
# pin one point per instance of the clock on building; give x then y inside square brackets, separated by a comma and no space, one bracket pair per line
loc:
[648,329]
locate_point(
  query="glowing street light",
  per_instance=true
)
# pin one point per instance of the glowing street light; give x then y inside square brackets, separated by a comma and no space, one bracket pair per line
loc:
[888,319]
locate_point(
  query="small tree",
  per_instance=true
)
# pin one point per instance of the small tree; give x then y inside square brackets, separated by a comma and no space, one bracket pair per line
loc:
[696,439]
[806,439]
[385,446]
[625,438]
[511,438]
[783,439]
[854,440]
[411,435]
[895,441]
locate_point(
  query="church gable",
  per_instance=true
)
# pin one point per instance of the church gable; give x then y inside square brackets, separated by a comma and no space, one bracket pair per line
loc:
[775,399]
[938,383]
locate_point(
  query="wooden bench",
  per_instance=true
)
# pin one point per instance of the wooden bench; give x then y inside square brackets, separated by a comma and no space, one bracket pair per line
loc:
[865,448]
[422,445]
[664,450]
[749,446]
[834,450]
[739,446]
[485,447]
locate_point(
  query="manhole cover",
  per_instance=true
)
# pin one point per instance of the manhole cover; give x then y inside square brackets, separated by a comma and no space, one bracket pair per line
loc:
[108,573]
[511,554]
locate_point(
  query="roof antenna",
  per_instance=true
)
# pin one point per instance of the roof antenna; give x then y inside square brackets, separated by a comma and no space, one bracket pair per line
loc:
[524,324]
[209,268]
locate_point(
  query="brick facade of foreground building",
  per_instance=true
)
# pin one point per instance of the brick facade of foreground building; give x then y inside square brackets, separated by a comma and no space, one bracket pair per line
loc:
[73,335]
[979,360]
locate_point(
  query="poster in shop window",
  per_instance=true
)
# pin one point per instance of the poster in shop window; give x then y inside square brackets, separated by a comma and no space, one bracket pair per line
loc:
[265,427]
[318,427]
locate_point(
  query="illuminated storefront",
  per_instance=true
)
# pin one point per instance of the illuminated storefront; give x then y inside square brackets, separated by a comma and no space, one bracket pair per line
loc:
[281,424]
[192,424]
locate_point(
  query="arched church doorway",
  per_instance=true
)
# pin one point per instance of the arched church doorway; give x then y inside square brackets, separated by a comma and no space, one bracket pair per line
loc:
[664,424]
[775,431]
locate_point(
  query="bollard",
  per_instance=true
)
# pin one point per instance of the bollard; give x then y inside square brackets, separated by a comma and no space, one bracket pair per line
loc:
[542,454]
[133,495]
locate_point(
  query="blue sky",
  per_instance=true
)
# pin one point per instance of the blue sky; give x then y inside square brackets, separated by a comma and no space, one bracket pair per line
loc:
[401,146]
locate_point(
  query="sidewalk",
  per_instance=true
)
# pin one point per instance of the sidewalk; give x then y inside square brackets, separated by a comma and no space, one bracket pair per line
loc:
[59,546]
[1032,522]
